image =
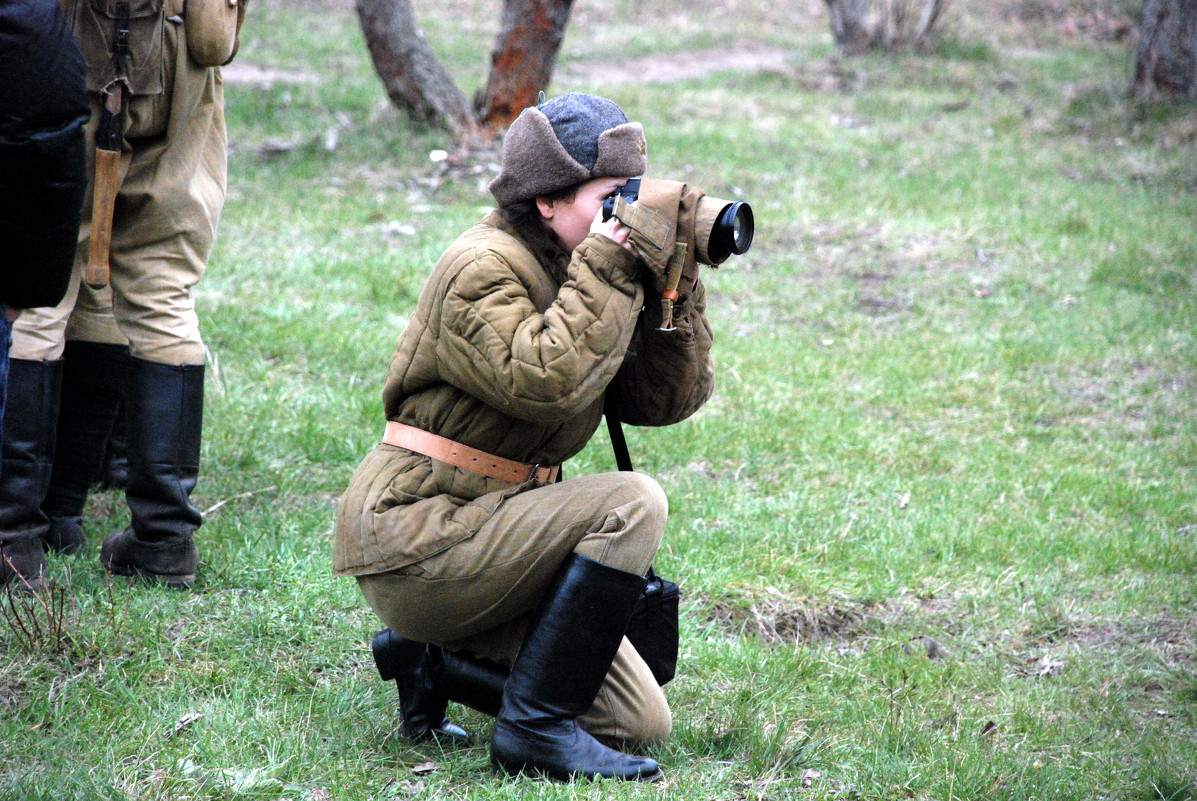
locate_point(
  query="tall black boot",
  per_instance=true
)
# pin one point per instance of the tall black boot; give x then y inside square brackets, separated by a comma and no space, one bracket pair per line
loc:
[559,671]
[163,423]
[93,387]
[30,414]
[114,473]
[428,677]
[473,681]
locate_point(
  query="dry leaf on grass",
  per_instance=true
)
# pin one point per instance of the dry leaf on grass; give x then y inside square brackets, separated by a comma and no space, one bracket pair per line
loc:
[183,723]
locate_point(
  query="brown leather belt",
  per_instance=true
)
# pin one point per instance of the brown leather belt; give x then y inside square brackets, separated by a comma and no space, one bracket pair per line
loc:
[465,457]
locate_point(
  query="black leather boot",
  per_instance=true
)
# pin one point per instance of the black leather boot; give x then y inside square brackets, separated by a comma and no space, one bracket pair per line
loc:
[428,677]
[30,414]
[163,422]
[473,681]
[559,671]
[114,473]
[93,388]
[22,561]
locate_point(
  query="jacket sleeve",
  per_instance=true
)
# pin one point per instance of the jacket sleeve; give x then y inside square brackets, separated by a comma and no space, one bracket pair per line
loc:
[43,172]
[667,375]
[547,366]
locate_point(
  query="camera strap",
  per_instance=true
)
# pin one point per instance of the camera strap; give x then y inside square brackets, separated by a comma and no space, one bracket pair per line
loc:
[623,460]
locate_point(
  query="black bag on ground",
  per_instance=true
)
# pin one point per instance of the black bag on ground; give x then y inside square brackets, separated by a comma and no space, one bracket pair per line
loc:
[654,627]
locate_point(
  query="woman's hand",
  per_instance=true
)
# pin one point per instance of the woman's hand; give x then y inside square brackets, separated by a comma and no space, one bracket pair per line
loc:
[613,229]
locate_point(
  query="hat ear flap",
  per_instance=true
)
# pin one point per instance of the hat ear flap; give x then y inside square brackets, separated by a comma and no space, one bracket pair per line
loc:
[622,152]
[535,163]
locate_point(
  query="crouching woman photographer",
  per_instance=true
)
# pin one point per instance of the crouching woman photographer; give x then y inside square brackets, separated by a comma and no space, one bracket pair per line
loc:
[503,587]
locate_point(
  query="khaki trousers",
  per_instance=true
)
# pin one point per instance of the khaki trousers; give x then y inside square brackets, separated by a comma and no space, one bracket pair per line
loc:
[173,174]
[478,596]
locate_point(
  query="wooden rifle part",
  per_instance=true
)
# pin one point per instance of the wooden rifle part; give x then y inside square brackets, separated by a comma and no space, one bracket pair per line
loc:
[105,183]
[109,135]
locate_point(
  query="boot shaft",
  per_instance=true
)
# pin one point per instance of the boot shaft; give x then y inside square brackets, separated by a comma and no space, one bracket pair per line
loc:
[576,633]
[163,426]
[94,376]
[558,673]
[22,561]
[30,416]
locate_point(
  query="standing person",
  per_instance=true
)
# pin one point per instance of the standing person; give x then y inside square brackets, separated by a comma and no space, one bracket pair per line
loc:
[43,109]
[502,587]
[157,167]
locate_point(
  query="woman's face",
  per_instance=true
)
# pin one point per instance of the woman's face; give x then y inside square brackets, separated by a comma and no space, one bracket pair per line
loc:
[572,219]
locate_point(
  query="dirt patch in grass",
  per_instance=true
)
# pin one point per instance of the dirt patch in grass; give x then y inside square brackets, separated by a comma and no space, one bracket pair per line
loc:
[12,693]
[241,73]
[1108,20]
[1172,639]
[671,67]
[307,5]
[779,620]
[1127,394]
[873,255]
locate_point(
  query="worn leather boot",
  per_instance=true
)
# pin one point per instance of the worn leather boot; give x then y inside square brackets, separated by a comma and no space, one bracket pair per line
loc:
[93,388]
[114,472]
[473,681]
[22,561]
[31,411]
[428,677]
[163,422]
[559,671]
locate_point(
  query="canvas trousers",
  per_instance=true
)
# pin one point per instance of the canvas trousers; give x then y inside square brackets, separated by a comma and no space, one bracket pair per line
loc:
[478,595]
[173,177]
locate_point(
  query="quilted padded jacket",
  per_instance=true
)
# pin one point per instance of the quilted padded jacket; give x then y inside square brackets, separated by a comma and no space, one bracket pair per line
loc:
[511,349]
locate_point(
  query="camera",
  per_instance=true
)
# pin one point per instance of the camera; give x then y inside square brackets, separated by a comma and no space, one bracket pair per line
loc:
[721,228]
[629,192]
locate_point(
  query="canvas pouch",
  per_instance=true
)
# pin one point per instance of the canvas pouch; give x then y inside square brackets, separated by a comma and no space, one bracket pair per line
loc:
[212,28]
[95,32]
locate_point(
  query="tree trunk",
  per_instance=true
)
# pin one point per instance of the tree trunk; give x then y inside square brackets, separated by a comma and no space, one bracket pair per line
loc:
[521,64]
[1166,62]
[859,25]
[410,72]
[927,18]
[850,24]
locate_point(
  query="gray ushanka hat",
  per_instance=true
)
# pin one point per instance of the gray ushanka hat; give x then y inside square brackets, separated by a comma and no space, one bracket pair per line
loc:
[569,140]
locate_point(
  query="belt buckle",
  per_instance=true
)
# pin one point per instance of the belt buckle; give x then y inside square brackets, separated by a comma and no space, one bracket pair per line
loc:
[532,473]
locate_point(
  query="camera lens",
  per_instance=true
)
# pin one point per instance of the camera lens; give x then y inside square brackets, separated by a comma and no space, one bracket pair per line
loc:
[741,226]
[731,233]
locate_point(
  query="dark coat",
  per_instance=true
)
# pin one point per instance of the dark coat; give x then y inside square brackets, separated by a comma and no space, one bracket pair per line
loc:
[43,171]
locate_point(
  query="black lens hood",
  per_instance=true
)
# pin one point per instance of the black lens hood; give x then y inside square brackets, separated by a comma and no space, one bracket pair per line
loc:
[724,242]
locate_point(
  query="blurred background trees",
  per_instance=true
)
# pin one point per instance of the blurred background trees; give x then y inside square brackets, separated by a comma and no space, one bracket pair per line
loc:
[1166,61]
[531,32]
[522,63]
[860,25]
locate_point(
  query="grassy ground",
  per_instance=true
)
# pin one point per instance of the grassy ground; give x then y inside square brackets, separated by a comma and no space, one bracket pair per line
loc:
[935,530]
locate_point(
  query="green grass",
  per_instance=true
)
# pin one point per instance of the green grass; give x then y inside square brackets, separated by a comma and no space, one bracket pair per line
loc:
[955,403]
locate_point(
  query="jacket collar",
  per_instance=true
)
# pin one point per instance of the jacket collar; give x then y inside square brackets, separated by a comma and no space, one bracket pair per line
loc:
[539,241]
